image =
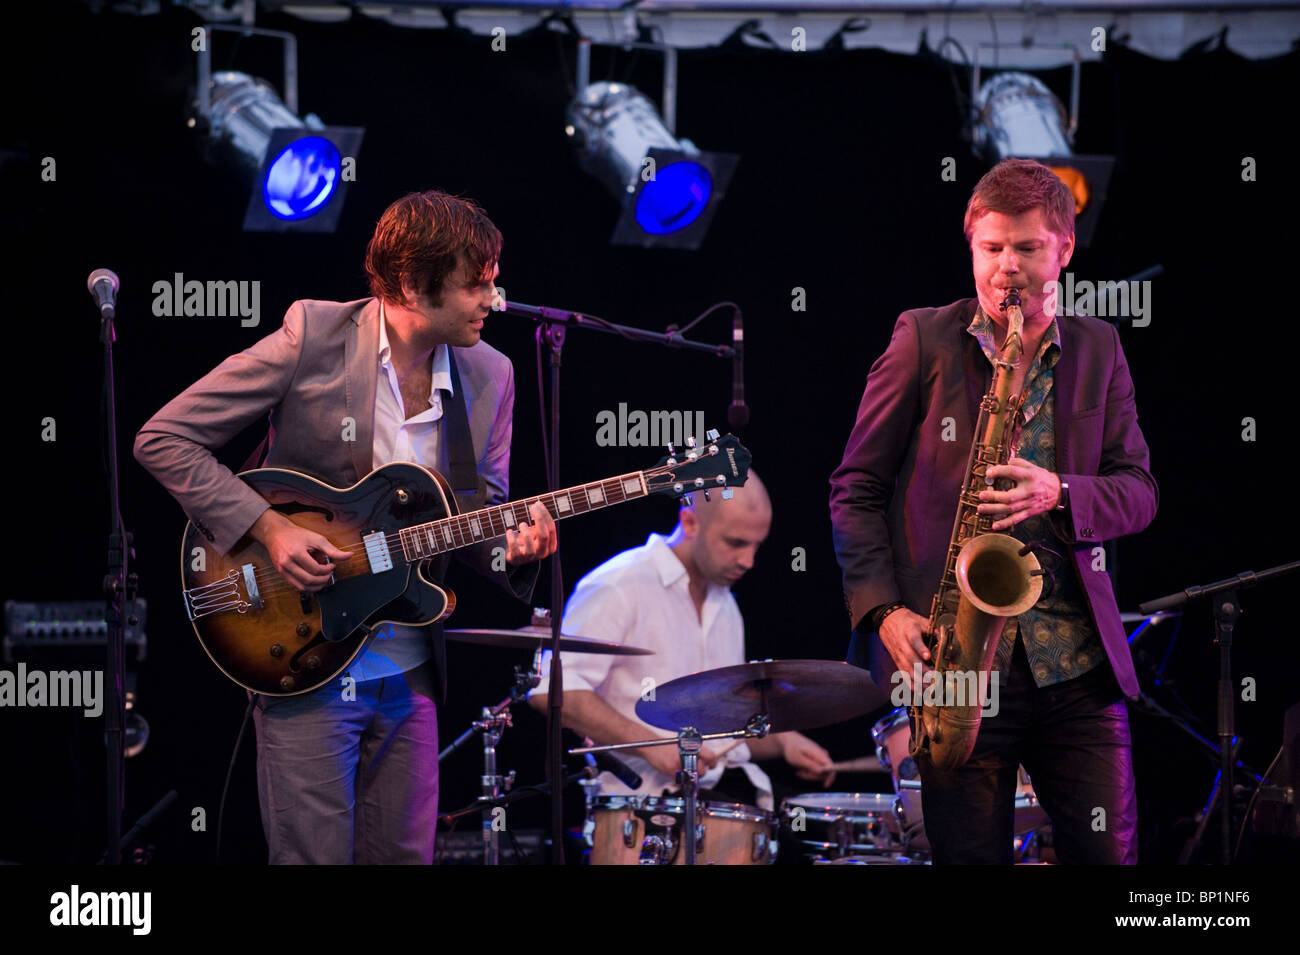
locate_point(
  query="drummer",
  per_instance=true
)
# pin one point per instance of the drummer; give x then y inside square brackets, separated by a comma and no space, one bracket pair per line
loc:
[673,596]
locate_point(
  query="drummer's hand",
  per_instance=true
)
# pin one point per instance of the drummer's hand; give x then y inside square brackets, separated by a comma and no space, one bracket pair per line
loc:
[809,760]
[667,761]
[903,634]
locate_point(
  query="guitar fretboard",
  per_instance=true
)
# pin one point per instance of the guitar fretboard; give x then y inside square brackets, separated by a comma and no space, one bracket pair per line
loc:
[438,537]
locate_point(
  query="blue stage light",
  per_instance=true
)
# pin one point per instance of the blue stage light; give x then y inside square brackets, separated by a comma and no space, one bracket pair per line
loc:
[302,178]
[676,197]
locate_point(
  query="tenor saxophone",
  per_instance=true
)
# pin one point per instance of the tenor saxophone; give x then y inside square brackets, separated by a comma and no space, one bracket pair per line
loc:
[987,579]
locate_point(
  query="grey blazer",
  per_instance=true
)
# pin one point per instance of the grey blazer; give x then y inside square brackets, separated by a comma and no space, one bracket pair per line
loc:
[316,378]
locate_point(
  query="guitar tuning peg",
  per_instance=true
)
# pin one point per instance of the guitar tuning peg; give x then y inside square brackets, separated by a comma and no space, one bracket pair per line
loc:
[711,434]
[670,449]
[728,494]
[690,441]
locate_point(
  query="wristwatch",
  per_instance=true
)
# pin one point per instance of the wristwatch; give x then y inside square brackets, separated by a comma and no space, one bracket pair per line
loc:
[1064,500]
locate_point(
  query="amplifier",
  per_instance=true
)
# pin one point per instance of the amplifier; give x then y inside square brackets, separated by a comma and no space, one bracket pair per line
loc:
[66,624]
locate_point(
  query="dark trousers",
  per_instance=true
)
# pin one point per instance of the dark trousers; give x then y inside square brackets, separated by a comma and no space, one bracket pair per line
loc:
[349,773]
[1073,739]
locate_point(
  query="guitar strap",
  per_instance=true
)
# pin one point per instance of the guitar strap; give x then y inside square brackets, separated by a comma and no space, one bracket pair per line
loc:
[462,461]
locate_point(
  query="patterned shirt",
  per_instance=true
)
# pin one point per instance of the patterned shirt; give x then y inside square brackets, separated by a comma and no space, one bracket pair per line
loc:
[1060,638]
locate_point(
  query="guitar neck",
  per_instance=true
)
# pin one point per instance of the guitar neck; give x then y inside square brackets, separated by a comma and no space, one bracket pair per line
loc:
[465,530]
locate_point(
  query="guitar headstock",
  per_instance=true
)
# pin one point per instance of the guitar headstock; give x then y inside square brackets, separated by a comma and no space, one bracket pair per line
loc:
[721,462]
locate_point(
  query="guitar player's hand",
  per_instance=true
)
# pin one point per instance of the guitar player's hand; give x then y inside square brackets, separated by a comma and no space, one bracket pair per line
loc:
[302,556]
[532,541]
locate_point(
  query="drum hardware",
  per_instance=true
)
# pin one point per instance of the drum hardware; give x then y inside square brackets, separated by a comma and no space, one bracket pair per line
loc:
[494,720]
[689,741]
[492,724]
[763,696]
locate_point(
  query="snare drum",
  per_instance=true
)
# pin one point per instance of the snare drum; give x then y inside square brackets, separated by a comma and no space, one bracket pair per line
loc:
[647,830]
[840,825]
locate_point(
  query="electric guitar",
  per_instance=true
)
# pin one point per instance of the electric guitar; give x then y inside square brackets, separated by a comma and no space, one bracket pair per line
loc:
[272,639]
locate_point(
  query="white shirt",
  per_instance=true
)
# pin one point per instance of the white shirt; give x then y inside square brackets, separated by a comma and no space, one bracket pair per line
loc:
[398,438]
[642,598]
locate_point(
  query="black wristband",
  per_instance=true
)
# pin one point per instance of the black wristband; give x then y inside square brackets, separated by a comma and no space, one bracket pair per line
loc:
[880,613]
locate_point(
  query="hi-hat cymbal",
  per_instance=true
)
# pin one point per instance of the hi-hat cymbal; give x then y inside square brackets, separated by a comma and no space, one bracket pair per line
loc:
[793,694]
[531,638]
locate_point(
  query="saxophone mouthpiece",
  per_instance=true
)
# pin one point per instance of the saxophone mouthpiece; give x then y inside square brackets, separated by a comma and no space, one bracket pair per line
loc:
[1013,298]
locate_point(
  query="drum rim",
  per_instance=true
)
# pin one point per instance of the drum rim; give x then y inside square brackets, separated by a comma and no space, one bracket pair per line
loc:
[676,805]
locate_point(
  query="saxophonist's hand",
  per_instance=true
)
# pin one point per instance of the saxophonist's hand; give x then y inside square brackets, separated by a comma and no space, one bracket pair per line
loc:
[903,634]
[1037,491]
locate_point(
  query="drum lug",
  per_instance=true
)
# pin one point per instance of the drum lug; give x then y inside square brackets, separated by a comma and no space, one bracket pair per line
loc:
[589,832]
[699,837]
[656,850]
[629,832]
[764,848]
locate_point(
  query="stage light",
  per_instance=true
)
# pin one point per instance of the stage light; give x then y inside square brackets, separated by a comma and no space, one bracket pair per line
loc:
[297,167]
[669,189]
[1017,115]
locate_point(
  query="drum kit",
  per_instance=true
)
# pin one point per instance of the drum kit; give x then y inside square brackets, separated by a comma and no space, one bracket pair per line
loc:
[746,701]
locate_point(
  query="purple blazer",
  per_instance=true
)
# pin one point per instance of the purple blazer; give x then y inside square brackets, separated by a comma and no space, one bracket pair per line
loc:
[894,496]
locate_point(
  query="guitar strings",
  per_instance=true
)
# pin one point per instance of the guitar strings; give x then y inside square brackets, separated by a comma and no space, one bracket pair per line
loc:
[272,583]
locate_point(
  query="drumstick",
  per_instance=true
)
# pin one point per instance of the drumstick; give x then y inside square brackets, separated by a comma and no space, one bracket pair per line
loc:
[863,764]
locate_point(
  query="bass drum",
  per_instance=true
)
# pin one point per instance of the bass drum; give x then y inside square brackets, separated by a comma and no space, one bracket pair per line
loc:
[647,830]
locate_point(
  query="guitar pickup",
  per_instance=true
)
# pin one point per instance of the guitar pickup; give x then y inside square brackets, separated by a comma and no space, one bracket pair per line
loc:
[377,552]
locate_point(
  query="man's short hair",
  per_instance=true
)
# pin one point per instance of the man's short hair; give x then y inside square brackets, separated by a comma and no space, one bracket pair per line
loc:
[1014,187]
[424,237]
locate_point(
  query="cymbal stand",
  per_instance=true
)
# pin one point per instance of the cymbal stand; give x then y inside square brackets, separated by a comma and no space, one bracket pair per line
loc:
[492,724]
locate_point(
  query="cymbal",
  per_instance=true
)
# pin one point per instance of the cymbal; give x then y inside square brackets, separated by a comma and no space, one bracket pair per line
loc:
[1135,617]
[794,694]
[533,638]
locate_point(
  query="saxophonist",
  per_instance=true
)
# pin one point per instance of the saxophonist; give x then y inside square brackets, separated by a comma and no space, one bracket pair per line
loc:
[1079,476]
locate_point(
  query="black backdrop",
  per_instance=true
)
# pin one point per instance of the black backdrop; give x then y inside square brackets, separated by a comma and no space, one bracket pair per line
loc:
[838,192]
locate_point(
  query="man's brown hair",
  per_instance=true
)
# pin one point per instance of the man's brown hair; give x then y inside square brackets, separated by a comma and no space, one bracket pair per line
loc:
[424,237]
[1014,187]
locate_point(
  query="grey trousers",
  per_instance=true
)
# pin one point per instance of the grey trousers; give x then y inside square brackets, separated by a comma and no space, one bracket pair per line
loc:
[349,772]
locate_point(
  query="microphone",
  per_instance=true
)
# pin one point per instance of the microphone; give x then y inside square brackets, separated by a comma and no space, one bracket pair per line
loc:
[103,286]
[611,763]
[738,413]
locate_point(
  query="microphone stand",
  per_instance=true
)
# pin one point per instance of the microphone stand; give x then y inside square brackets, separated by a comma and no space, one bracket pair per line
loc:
[115,587]
[1227,608]
[551,326]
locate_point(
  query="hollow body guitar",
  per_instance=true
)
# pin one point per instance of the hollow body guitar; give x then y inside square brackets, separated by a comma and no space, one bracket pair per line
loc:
[269,638]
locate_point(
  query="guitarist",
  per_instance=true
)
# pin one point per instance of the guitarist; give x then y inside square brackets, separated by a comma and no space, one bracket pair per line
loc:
[349,772]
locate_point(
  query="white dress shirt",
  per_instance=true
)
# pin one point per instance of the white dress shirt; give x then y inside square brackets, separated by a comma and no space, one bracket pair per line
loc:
[396,649]
[642,598]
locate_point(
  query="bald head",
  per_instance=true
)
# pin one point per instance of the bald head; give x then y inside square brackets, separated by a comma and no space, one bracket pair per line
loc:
[747,502]
[718,539]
